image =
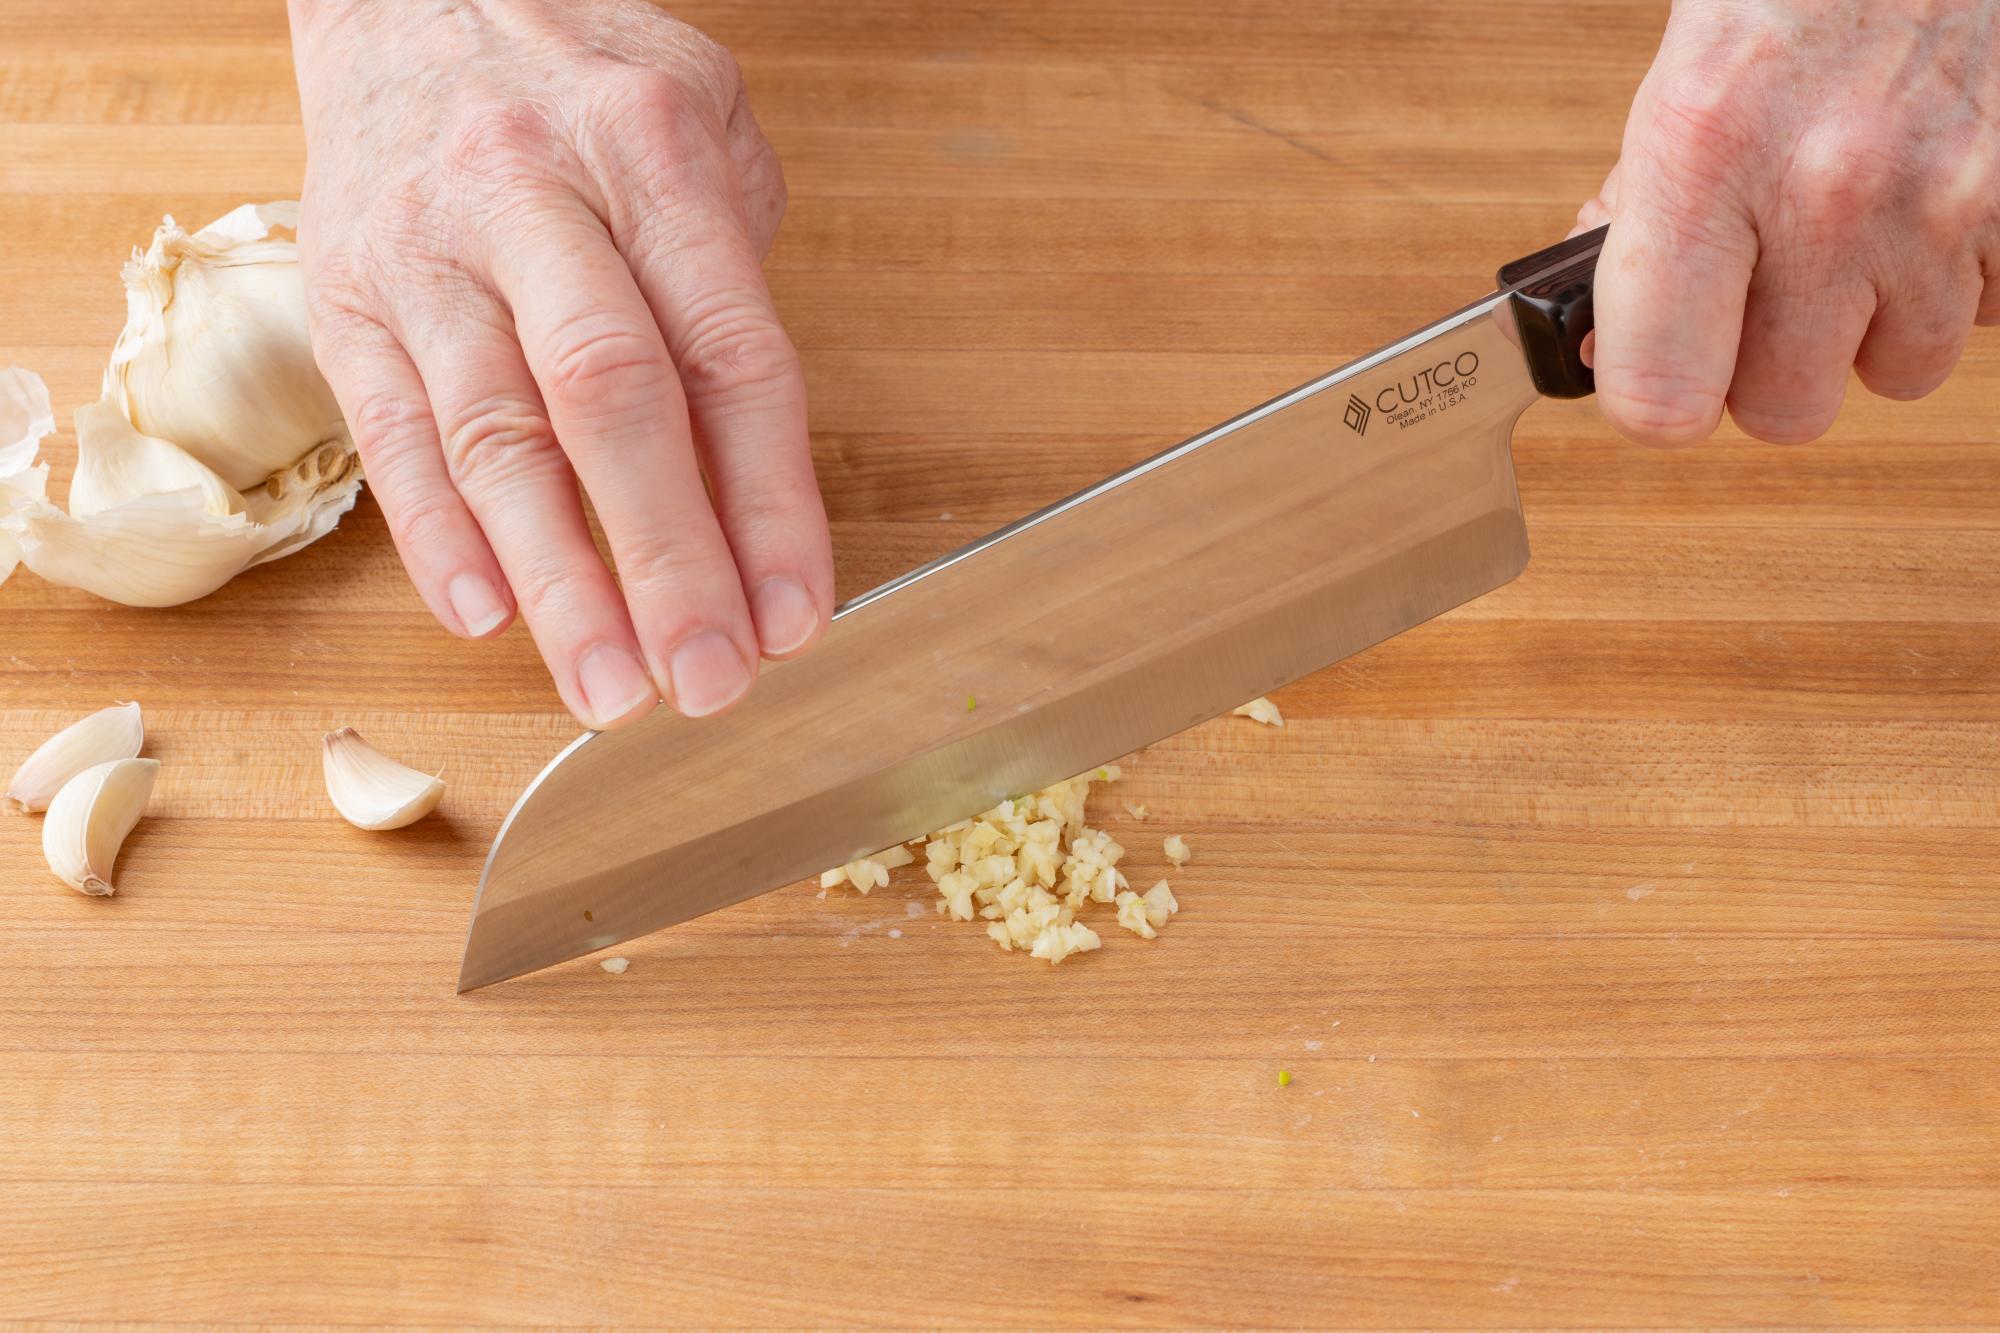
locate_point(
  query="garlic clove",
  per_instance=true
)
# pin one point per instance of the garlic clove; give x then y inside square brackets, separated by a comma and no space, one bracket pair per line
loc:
[89,819]
[116,464]
[109,733]
[371,790]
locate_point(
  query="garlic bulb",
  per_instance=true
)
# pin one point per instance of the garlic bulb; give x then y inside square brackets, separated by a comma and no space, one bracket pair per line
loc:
[216,445]
[215,354]
[371,790]
[89,819]
[108,734]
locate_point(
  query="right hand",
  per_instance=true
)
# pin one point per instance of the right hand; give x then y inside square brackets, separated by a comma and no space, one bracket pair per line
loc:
[532,233]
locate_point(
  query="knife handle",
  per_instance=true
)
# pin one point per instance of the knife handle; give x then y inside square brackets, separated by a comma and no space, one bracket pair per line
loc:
[1550,295]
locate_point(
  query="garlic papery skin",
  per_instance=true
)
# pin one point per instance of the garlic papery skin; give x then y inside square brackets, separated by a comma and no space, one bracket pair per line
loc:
[90,818]
[162,529]
[371,790]
[215,355]
[109,733]
[25,421]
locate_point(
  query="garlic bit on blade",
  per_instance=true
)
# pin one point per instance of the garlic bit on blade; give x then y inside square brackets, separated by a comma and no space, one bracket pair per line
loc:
[371,790]
[216,445]
[89,819]
[109,733]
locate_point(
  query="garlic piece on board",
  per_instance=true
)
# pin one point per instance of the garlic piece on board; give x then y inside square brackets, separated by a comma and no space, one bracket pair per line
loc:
[371,790]
[1261,710]
[108,734]
[1176,850]
[89,819]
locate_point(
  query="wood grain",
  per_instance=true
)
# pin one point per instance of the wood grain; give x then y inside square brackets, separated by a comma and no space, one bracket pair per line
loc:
[1632,935]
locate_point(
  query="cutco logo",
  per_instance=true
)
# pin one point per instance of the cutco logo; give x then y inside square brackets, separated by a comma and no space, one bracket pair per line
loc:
[1357,414]
[1443,375]
[1422,396]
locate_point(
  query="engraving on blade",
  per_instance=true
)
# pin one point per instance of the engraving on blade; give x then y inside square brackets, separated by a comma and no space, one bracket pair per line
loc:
[1220,570]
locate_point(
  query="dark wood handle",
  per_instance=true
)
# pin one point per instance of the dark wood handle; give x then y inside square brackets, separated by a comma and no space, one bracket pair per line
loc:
[1550,292]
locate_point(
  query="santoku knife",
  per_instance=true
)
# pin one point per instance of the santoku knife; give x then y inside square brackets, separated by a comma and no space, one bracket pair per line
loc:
[1303,531]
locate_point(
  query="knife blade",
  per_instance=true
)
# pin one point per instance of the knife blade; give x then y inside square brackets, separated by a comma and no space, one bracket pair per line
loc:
[1296,534]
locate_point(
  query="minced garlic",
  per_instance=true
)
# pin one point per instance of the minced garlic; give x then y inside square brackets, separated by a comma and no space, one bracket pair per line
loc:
[1177,851]
[870,872]
[1260,710]
[1026,867]
[1144,914]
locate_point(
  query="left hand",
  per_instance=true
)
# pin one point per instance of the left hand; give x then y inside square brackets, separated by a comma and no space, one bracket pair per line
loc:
[1806,186]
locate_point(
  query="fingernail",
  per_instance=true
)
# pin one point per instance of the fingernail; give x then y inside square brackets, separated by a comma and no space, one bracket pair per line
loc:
[785,615]
[614,684]
[476,604]
[708,674]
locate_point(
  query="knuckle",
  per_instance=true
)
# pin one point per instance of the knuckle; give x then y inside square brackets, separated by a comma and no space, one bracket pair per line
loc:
[1699,127]
[598,364]
[550,589]
[737,351]
[1660,407]
[663,559]
[340,297]
[501,143]
[1838,187]
[496,439]
[1777,424]
[1905,383]
[662,113]
[429,522]
[384,423]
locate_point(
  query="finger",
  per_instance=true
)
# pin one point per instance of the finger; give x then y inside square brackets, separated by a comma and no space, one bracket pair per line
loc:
[1597,211]
[1672,281]
[1800,334]
[746,397]
[1989,300]
[440,542]
[616,405]
[503,458]
[1919,334]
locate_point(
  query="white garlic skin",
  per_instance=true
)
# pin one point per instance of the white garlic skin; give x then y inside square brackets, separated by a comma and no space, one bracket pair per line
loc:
[109,733]
[89,819]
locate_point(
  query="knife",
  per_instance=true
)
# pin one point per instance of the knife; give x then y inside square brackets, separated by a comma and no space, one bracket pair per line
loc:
[1301,532]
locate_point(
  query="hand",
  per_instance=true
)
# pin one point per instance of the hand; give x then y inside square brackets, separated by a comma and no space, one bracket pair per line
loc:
[1806,186]
[532,233]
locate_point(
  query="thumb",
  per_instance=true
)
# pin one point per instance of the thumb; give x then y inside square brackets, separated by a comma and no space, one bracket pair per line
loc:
[1671,286]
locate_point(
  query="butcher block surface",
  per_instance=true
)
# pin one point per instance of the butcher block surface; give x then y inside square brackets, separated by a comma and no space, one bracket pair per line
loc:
[1631,936]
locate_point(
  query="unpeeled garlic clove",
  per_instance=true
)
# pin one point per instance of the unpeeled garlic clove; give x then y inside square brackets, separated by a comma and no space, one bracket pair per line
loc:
[108,734]
[89,819]
[371,790]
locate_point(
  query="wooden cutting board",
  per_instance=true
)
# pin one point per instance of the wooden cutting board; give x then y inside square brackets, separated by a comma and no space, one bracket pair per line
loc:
[1632,936]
